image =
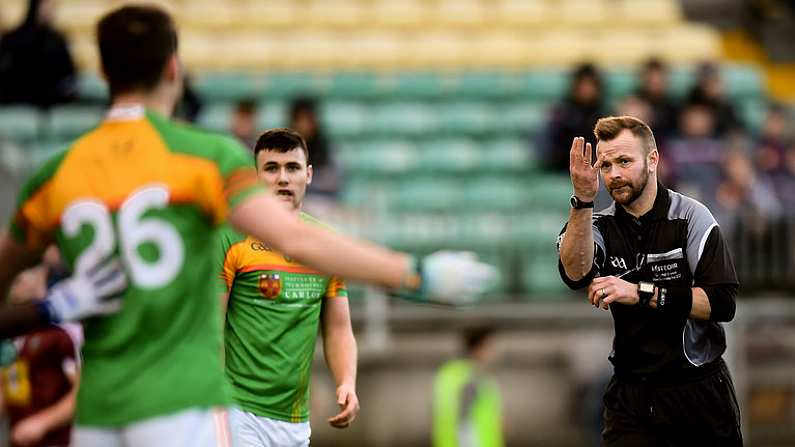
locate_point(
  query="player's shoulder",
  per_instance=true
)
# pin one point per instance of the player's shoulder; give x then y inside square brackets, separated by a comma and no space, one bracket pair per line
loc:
[191,140]
[229,236]
[42,174]
[314,221]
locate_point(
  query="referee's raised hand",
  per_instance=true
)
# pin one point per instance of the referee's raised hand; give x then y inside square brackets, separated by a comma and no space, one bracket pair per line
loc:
[584,174]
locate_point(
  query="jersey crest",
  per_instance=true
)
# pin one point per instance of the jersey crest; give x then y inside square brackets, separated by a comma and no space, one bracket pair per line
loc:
[270,285]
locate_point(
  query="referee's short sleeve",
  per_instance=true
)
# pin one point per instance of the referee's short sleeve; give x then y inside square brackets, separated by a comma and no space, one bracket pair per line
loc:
[598,260]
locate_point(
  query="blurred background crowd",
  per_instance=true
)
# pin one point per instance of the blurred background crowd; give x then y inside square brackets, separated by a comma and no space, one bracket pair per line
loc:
[447,123]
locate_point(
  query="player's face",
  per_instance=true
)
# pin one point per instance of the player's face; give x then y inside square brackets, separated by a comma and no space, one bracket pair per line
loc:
[624,167]
[286,174]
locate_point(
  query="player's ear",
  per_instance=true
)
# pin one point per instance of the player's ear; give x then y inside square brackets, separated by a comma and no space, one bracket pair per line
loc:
[309,173]
[173,68]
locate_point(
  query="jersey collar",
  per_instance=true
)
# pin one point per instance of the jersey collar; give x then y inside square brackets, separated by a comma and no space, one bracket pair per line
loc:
[126,112]
[658,211]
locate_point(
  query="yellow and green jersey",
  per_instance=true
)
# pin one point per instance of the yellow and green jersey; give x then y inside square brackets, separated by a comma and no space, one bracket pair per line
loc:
[153,192]
[272,322]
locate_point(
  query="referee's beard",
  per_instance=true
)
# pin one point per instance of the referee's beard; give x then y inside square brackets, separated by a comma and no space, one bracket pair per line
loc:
[625,191]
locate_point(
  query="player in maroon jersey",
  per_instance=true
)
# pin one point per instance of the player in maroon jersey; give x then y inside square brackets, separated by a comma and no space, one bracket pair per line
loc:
[38,385]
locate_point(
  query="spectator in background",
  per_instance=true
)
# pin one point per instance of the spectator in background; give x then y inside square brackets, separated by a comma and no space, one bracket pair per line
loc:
[773,140]
[695,154]
[190,104]
[784,180]
[575,116]
[654,90]
[35,65]
[467,409]
[39,383]
[743,192]
[709,91]
[243,123]
[304,120]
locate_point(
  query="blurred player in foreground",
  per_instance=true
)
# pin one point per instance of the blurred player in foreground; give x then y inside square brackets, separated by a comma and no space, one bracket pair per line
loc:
[274,308]
[39,377]
[467,408]
[144,193]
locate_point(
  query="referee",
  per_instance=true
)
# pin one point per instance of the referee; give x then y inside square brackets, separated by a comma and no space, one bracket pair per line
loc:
[657,259]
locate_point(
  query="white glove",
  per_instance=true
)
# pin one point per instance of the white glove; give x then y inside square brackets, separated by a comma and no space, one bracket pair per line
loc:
[451,277]
[96,292]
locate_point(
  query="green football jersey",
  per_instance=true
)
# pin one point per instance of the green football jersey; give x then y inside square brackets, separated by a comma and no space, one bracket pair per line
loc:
[152,192]
[271,328]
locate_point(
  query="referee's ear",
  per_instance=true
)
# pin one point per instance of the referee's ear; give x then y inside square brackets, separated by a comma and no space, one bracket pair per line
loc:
[653,160]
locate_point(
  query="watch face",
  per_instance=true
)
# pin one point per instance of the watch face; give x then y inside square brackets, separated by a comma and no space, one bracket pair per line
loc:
[646,287]
[574,202]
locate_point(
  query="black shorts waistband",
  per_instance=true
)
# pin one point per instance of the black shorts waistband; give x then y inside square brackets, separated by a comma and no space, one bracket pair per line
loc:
[683,375]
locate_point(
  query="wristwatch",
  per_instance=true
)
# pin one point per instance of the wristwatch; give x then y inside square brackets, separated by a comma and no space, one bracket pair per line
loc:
[578,204]
[645,293]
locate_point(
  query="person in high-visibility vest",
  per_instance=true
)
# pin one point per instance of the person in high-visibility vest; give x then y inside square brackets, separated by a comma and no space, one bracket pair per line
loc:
[466,399]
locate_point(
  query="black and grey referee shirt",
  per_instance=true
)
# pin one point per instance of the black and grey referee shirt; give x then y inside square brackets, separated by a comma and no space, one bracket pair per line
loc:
[676,244]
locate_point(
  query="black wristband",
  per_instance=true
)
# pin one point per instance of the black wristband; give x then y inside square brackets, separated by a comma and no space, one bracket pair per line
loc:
[675,302]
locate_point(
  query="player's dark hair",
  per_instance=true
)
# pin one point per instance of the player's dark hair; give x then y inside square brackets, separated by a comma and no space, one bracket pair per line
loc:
[280,140]
[610,127]
[135,44]
[476,337]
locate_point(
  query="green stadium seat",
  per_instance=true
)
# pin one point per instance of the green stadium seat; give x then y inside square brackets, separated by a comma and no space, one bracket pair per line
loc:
[494,193]
[508,154]
[19,123]
[272,114]
[404,118]
[744,82]
[448,155]
[378,157]
[753,112]
[479,84]
[549,85]
[423,193]
[521,117]
[229,86]
[67,122]
[91,87]
[294,84]
[540,276]
[355,85]
[414,85]
[549,192]
[538,229]
[344,119]
[470,118]
[621,83]
[216,116]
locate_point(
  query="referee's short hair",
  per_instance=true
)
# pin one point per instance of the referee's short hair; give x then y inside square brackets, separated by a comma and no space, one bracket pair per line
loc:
[608,128]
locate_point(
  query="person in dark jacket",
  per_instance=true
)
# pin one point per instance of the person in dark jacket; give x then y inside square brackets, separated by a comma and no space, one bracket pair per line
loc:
[35,65]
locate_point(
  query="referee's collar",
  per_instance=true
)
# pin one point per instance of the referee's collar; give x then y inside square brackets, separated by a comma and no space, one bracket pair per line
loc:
[658,211]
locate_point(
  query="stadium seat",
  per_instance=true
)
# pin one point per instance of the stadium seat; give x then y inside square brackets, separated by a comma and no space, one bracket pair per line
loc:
[549,192]
[378,157]
[648,13]
[507,154]
[743,82]
[344,119]
[448,155]
[502,49]
[470,117]
[216,116]
[91,87]
[484,84]
[521,117]
[688,43]
[583,12]
[67,122]
[424,84]
[334,13]
[495,193]
[541,277]
[404,13]
[229,86]
[404,118]
[354,85]
[523,13]
[269,14]
[272,114]
[467,13]
[544,85]
[20,123]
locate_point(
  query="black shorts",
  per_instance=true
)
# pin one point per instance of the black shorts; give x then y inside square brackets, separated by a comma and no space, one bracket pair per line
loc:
[702,412]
